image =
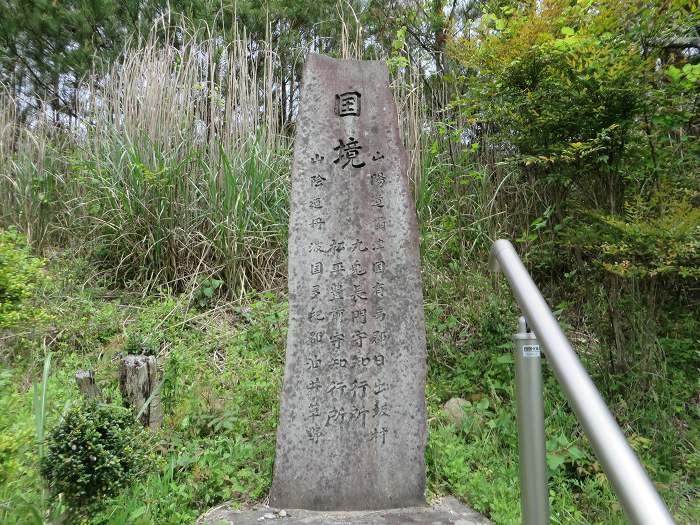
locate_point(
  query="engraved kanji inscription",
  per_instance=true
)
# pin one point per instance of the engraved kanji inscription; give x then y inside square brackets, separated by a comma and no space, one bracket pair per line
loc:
[338,362]
[364,361]
[380,314]
[335,292]
[315,338]
[379,435]
[378,337]
[359,414]
[358,388]
[378,245]
[358,336]
[338,269]
[357,269]
[313,362]
[348,104]
[356,360]
[352,430]
[358,293]
[336,246]
[337,340]
[359,316]
[336,387]
[346,416]
[336,315]
[358,245]
[380,387]
[314,433]
[380,410]
[335,415]
[314,384]
[314,411]
[318,180]
[378,289]
[378,201]
[315,314]
[377,179]
[348,152]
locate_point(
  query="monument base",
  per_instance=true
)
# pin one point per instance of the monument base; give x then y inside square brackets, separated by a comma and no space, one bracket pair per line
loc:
[448,511]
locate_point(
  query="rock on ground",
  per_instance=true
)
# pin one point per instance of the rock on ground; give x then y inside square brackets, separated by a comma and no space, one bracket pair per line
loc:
[454,409]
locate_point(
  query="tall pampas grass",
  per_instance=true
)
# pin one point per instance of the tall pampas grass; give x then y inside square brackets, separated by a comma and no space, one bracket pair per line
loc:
[185,171]
[31,170]
[177,170]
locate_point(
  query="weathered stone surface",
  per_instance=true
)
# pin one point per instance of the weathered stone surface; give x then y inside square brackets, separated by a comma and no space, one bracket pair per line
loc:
[448,511]
[454,409]
[352,427]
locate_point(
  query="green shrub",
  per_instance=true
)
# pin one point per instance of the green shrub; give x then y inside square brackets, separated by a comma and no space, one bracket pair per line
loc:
[20,273]
[95,451]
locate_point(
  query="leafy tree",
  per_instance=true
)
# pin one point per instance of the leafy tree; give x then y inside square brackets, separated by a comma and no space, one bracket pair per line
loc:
[585,100]
[47,47]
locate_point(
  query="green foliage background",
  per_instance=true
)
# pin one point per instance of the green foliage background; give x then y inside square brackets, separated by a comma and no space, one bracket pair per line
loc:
[570,128]
[20,274]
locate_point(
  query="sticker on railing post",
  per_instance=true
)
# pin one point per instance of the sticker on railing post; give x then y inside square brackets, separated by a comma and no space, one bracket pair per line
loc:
[531,351]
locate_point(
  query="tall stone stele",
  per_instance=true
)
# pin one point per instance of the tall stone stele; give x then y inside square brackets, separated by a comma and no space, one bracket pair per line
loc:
[352,427]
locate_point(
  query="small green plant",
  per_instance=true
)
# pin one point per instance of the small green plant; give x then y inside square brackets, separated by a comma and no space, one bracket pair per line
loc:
[20,274]
[205,293]
[94,452]
[138,344]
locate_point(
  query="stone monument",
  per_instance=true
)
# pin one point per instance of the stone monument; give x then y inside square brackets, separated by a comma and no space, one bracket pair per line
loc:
[352,427]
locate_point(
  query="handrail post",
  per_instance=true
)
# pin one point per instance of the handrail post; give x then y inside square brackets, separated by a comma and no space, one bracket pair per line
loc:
[636,492]
[534,496]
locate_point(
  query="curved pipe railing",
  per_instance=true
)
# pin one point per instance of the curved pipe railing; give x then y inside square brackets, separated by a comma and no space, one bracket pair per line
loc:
[636,492]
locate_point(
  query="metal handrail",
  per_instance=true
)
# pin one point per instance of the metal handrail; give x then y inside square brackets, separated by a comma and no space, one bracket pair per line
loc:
[636,492]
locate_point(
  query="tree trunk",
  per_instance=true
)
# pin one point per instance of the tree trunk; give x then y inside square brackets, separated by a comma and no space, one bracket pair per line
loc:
[138,382]
[85,380]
